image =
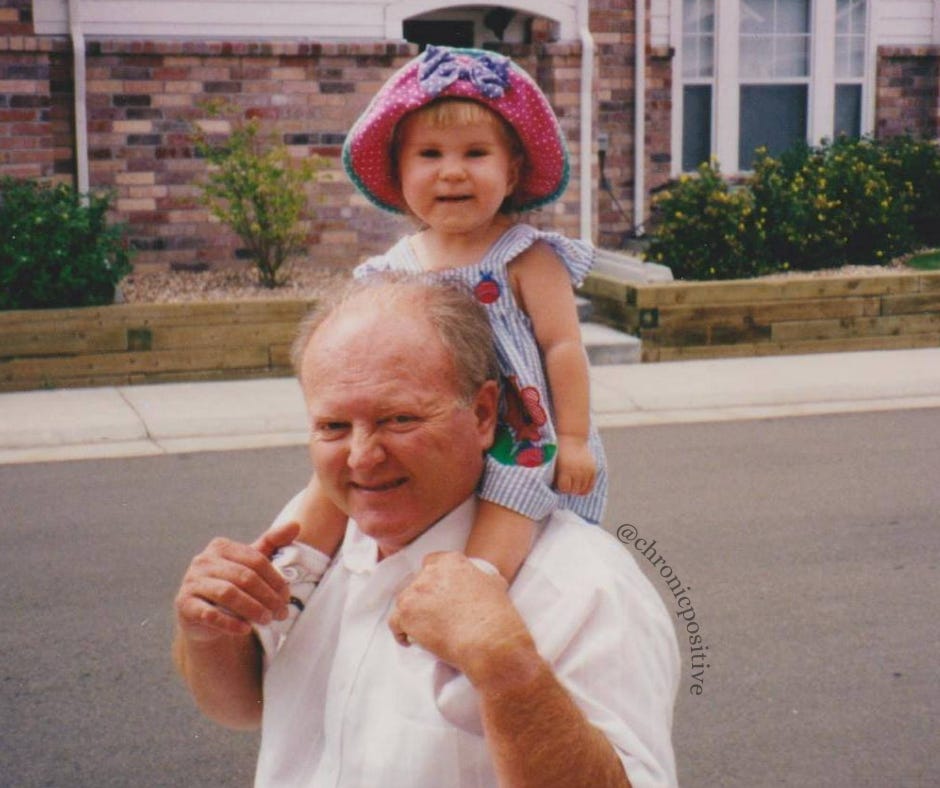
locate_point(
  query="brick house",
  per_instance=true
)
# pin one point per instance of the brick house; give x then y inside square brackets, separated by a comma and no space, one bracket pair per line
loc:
[102,92]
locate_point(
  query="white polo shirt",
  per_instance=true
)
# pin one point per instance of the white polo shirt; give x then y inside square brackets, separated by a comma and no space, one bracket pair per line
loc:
[346,705]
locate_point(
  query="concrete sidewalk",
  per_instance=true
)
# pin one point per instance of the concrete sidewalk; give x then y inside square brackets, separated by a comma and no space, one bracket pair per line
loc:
[125,421]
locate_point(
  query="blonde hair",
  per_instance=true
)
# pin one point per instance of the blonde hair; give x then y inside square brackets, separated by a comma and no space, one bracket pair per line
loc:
[448,112]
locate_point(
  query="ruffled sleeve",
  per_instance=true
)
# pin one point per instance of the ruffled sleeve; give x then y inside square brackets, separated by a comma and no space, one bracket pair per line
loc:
[577,256]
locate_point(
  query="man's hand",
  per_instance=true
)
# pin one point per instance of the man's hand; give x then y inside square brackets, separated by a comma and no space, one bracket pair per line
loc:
[464,617]
[229,586]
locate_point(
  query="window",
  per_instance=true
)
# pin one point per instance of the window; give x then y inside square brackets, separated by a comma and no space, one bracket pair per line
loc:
[773,64]
[698,72]
[851,24]
[767,73]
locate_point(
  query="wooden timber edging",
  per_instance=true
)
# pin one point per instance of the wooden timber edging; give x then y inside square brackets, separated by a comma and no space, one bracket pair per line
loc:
[752,317]
[147,343]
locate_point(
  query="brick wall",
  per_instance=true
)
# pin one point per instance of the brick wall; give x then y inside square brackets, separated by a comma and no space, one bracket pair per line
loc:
[35,98]
[908,91]
[144,95]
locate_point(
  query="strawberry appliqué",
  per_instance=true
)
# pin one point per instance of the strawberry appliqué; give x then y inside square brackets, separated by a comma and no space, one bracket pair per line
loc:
[518,441]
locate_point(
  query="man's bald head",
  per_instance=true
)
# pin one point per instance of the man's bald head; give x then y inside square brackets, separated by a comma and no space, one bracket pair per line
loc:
[451,311]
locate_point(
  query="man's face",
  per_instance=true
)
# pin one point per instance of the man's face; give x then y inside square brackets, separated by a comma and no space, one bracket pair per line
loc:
[391,442]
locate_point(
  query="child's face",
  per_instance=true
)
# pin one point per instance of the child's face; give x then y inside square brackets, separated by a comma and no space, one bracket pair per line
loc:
[454,178]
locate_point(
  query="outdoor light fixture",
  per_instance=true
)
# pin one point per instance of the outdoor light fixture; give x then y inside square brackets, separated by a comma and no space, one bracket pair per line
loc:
[603,142]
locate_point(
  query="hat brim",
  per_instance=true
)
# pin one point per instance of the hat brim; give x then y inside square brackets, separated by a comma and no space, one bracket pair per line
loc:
[367,149]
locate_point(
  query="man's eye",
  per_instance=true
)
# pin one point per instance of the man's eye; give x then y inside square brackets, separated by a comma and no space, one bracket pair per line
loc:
[400,420]
[331,429]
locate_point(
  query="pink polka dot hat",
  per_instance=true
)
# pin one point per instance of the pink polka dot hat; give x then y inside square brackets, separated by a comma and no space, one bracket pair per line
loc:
[486,77]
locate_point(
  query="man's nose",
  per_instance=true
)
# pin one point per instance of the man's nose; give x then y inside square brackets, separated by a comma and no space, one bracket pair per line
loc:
[365,450]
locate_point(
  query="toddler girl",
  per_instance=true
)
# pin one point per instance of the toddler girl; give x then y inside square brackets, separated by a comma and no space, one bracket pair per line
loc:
[463,140]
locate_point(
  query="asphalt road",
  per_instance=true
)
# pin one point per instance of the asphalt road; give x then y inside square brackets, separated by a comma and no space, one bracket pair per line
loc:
[809,549]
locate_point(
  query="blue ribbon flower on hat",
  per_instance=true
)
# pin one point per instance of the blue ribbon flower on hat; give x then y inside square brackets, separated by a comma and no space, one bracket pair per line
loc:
[488,73]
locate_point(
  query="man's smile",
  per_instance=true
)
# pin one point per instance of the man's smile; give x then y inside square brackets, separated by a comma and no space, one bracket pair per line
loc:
[378,487]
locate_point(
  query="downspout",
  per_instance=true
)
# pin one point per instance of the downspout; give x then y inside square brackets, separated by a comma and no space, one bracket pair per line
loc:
[81,113]
[639,122]
[587,109]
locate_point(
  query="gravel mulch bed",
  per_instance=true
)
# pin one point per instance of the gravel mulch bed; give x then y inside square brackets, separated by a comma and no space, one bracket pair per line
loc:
[161,287]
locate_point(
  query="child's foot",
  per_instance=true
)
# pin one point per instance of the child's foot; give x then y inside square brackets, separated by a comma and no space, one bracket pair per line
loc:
[302,566]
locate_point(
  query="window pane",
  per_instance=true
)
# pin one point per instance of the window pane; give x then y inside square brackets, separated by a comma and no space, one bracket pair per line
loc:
[708,16]
[757,16]
[772,116]
[791,57]
[698,16]
[755,57]
[843,17]
[857,56]
[690,57]
[848,113]
[859,8]
[696,125]
[792,16]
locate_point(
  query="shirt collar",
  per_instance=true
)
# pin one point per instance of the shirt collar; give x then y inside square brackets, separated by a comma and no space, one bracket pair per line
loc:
[360,552]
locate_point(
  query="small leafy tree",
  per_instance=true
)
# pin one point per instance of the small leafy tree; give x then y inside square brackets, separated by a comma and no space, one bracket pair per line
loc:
[255,188]
[57,249]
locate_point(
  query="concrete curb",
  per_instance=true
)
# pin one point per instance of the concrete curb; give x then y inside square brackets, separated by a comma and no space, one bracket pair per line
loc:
[68,424]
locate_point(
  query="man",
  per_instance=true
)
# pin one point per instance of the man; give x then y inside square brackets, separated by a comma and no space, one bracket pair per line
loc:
[410,666]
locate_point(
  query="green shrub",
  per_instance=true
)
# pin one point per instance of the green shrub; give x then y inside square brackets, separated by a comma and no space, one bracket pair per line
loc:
[259,192]
[915,164]
[852,201]
[57,250]
[829,206]
[706,229]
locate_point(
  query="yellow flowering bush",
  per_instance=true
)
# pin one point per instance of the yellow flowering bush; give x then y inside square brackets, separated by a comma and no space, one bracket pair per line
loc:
[705,228]
[858,201]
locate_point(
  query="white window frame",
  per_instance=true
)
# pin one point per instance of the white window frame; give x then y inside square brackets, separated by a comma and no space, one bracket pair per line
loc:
[726,85]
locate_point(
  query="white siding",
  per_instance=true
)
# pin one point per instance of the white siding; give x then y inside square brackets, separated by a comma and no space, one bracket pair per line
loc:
[906,22]
[355,20]
[361,19]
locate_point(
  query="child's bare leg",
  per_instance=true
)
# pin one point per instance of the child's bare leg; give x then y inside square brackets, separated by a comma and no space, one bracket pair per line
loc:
[502,537]
[322,524]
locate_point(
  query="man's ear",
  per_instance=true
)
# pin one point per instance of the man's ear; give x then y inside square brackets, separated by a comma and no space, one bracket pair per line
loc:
[486,409]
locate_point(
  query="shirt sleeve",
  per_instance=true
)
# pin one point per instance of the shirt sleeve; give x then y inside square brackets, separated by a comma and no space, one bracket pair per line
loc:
[611,642]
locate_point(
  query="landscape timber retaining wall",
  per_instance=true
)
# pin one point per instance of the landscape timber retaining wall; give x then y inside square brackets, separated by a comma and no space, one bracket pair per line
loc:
[147,343]
[797,314]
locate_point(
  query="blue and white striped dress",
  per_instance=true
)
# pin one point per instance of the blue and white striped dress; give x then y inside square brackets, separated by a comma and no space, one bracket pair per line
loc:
[520,466]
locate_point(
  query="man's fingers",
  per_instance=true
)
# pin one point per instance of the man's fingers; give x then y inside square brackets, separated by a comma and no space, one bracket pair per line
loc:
[196,614]
[394,624]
